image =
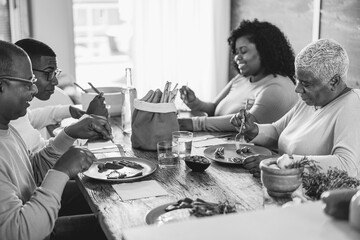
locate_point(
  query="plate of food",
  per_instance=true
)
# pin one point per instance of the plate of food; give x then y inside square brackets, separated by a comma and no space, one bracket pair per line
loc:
[120,169]
[229,153]
[185,209]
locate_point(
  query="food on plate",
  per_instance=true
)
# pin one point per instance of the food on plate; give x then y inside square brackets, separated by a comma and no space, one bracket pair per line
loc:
[173,216]
[236,159]
[219,152]
[244,150]
[118,164]
[115,174]
[109,165]
[201,208]
[120,169]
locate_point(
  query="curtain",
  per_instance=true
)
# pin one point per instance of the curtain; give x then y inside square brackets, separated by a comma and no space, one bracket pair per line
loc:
[182,41]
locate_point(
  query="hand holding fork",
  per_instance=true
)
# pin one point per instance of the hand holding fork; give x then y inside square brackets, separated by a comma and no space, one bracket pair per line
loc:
[239,138]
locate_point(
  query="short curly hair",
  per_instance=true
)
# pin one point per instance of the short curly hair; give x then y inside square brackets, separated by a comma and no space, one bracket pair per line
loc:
[276,54]
[324,58]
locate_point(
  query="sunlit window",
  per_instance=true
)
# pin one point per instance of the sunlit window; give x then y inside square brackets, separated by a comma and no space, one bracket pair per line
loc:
[102,32]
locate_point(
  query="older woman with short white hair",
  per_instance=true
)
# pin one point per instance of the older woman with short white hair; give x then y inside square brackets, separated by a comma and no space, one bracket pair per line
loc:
[325,125]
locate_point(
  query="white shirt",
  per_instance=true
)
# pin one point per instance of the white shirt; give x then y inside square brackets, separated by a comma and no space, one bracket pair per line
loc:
[330,135]
[29,126]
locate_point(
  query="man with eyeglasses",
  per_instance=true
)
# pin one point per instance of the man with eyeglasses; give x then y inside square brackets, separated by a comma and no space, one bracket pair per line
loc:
[32,184]
[44,66]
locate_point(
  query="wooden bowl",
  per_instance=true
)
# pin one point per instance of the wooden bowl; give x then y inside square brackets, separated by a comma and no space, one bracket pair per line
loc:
[197,163]
[279,182]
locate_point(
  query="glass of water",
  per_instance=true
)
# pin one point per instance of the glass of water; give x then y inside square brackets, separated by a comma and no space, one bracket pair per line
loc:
[167,154]
[183,139]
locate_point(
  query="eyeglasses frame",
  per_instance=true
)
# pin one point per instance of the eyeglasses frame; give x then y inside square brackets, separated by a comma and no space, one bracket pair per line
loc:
[33,80]
[57,73]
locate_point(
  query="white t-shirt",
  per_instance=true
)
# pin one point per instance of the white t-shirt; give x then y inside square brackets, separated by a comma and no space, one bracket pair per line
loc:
[29,126]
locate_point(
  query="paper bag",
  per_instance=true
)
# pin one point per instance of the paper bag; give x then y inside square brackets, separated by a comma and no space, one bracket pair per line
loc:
[151,123]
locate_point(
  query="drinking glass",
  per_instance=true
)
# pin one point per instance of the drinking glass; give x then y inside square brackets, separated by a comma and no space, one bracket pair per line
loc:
[167,154]
[183,139]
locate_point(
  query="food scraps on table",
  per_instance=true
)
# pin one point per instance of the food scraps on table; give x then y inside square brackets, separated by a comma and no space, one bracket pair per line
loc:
[219,152]
[201,208]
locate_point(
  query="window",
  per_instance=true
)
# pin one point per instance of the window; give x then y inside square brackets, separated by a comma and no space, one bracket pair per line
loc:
[102,33]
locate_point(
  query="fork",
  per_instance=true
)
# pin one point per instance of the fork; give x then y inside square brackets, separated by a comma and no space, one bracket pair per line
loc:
[239,138]
[120,148]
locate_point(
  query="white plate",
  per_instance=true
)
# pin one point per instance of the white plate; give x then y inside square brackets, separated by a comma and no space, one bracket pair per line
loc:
[159,216]
[149,168]
[230,152]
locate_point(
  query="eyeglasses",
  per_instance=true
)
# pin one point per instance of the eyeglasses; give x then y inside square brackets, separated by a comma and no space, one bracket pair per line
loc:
[32,80]
[50,75]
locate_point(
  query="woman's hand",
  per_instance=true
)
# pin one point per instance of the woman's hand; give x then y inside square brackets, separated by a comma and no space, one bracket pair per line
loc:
[187,95]
[185,124]
[252,164]
[250,130]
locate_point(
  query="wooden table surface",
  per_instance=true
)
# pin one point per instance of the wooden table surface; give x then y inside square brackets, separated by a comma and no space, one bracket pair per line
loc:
[218,183]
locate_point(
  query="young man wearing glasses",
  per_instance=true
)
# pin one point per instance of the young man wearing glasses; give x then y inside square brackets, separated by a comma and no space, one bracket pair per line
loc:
[32,185]
[44,66]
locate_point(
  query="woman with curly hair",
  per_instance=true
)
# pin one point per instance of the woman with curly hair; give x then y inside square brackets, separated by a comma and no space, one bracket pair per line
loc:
[264,59]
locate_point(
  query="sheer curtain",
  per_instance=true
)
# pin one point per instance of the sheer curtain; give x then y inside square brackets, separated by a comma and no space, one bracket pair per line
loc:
[182,41]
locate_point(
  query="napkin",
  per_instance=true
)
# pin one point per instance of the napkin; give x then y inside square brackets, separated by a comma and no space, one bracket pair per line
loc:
[102,146]
[137,190]
[209,142]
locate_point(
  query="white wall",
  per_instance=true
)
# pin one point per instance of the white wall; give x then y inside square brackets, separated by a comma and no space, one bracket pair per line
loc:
[52,23]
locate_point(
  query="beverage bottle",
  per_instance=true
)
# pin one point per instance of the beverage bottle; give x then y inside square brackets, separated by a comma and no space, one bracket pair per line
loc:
[130,94]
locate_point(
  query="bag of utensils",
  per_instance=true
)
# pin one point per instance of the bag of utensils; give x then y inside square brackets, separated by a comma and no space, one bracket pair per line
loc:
[154,118]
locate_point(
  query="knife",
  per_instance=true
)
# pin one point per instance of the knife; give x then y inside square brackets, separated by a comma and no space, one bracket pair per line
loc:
[206,138]
[120,148]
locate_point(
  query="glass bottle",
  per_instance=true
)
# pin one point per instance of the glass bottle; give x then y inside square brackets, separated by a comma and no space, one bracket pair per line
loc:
[130,94]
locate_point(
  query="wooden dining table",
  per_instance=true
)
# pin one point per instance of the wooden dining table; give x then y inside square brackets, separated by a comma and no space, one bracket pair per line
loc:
[218,183]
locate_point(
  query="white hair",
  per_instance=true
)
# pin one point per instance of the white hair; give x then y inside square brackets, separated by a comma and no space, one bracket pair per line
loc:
[325,58]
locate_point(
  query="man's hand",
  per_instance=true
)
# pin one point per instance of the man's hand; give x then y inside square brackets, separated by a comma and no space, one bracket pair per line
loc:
[90,128]
[97,106]
[185,124]
[74,161]
[76,112]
